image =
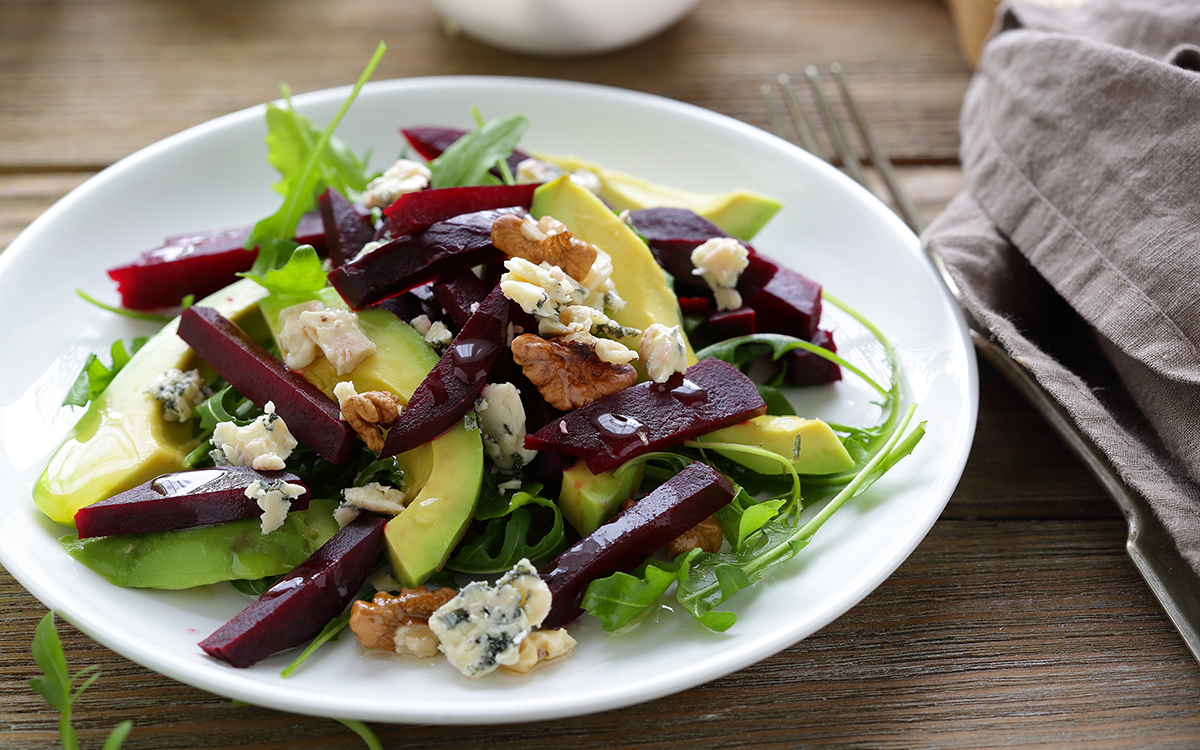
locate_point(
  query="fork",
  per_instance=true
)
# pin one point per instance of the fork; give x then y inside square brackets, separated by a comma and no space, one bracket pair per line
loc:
[1148,543]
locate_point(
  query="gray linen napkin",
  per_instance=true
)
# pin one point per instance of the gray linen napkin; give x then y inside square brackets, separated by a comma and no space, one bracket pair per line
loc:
[1077,239]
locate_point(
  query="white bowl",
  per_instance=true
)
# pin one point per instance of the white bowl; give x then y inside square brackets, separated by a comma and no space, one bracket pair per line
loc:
[561,27]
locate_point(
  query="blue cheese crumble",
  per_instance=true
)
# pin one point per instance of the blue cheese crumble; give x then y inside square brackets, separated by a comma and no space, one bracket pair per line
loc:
[179,393]
[405,176]
[720,261]
[502,423]
[263,445]
[482,627]
[275,497]
[663,351]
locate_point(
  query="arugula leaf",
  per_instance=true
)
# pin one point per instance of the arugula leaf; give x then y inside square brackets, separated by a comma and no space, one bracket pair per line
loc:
[328,633]
[290,138]
[95,376]
[621,597]
[716,577]
[301,273]
[469,159]
[56,685]
[777,403]
[531,528]
[126,312]
[744,516]
[301,185]
[742,351]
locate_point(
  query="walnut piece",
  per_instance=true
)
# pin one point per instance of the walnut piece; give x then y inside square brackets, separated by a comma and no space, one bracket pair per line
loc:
[370,414]
[545,241]
[568,375]
[706,535]
[540,646]
[399,622]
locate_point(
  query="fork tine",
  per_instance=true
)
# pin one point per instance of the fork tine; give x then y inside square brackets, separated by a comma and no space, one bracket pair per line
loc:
[772,113]
[908,210]
[837,135]
[808,138]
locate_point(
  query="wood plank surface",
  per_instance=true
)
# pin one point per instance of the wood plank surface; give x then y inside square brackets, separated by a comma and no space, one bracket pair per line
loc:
[1019,621]
[86,82]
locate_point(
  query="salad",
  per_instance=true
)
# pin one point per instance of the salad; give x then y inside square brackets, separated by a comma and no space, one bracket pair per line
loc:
[513,517]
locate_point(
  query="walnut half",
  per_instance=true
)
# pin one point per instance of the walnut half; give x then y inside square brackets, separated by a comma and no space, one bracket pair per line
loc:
[370,414]
[546,241]
[568,375]
[399,622]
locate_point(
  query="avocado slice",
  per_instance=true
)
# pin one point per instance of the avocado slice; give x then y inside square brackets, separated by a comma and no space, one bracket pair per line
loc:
[122,440]
[741,213]
[638,277]
[445,474]
[588,500]
[821,452]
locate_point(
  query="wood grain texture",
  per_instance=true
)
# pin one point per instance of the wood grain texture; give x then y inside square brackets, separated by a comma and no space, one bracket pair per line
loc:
[87,83]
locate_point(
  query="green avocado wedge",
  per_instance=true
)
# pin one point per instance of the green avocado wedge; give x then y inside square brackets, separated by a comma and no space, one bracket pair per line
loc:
[638,277]
[442,477]
[195,557]
[122,439]
[741,213]
[812,445]
[587,500]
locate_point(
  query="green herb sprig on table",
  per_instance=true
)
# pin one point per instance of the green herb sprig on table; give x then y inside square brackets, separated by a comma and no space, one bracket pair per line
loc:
[58,687]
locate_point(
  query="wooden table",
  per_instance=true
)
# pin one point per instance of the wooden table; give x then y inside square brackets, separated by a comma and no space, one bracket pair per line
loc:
[1018,621]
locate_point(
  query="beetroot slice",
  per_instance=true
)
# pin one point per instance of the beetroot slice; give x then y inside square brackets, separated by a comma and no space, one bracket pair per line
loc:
[608,432]
[312,417]
[430,142]
[662,223]
[451,387]
[182,500]
[458,291]
[346,230]
[415,211]
[197,264]
[296,608]
[408,262]
[806,368]
[633,536]
[788,303]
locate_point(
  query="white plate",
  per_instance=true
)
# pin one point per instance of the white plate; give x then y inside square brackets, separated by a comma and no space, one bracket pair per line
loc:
[215,175]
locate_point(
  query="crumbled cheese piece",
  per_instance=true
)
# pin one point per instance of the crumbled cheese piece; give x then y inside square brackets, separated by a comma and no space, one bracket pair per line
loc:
[602,292]
[339,337]
[511,485]
[376,497]
[417,639]
[275,498]
[299,349]
[474,307]
[345,513]
[438,336]
[342,391]
[587,179]
[368,248]
[502,422]
[263,445]
[384,581]
[720,261]
[613,352]
[405,176]
[536,230]
[533,170]
[483,626]
[179,393]
[539,289]
[421,324]
[664,351]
